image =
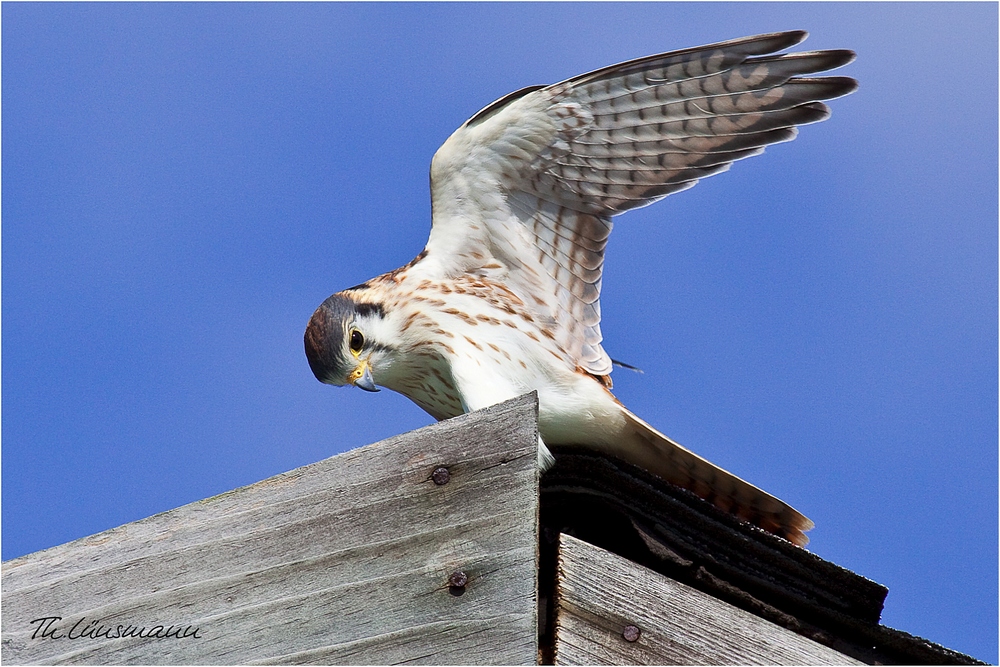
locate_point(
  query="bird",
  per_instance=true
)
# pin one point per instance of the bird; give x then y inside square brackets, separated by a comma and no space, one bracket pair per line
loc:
[504,298]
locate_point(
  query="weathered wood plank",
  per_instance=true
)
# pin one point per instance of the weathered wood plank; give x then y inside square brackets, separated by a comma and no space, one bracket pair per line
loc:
[599,593]
[344,561]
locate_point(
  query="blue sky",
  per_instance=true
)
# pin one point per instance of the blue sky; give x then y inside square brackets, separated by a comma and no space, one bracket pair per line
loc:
[182,184]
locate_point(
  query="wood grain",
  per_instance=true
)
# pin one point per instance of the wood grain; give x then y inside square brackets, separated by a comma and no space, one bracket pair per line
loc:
[344,561]
[599,594]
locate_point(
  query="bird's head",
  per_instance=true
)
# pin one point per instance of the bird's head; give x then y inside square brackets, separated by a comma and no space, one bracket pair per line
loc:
[342,341]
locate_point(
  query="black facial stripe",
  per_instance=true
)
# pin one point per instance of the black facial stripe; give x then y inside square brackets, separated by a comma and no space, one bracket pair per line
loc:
[367,309]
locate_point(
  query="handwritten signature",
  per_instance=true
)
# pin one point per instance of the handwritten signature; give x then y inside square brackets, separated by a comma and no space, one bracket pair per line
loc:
[49,627]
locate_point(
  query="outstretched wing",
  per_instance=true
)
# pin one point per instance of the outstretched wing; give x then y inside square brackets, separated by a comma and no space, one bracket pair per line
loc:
[525,190]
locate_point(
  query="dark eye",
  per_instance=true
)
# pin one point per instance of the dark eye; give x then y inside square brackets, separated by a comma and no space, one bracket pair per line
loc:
[357,341]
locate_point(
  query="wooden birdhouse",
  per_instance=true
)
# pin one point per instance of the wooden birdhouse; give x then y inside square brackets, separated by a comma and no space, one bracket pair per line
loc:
[444,545]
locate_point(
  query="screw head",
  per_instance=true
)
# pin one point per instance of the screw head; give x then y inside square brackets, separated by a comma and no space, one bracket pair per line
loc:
[440,476]
[631,633]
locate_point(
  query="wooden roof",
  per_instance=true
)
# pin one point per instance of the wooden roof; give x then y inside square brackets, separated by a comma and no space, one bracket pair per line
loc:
[624,509]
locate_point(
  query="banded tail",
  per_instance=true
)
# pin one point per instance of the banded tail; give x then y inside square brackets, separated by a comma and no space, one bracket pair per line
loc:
[649,449]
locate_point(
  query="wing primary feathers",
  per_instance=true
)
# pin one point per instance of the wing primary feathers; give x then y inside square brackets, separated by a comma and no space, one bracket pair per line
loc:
[734,49]
[559,161]
[804,62]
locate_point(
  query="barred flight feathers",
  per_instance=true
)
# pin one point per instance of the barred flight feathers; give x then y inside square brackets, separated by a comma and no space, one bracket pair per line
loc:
[531,182]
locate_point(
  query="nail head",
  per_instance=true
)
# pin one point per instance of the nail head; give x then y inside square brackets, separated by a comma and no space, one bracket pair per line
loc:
[440,476]
[631,633]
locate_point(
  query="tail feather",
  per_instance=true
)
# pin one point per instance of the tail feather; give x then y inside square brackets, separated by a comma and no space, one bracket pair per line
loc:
[649,449]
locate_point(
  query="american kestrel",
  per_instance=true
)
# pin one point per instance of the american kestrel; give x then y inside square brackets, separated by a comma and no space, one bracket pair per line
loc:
[504,298]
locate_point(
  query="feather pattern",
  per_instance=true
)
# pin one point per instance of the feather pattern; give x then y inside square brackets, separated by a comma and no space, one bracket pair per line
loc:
[532,181]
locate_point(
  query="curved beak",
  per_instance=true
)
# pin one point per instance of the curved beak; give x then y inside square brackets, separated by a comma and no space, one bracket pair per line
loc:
[363,377]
